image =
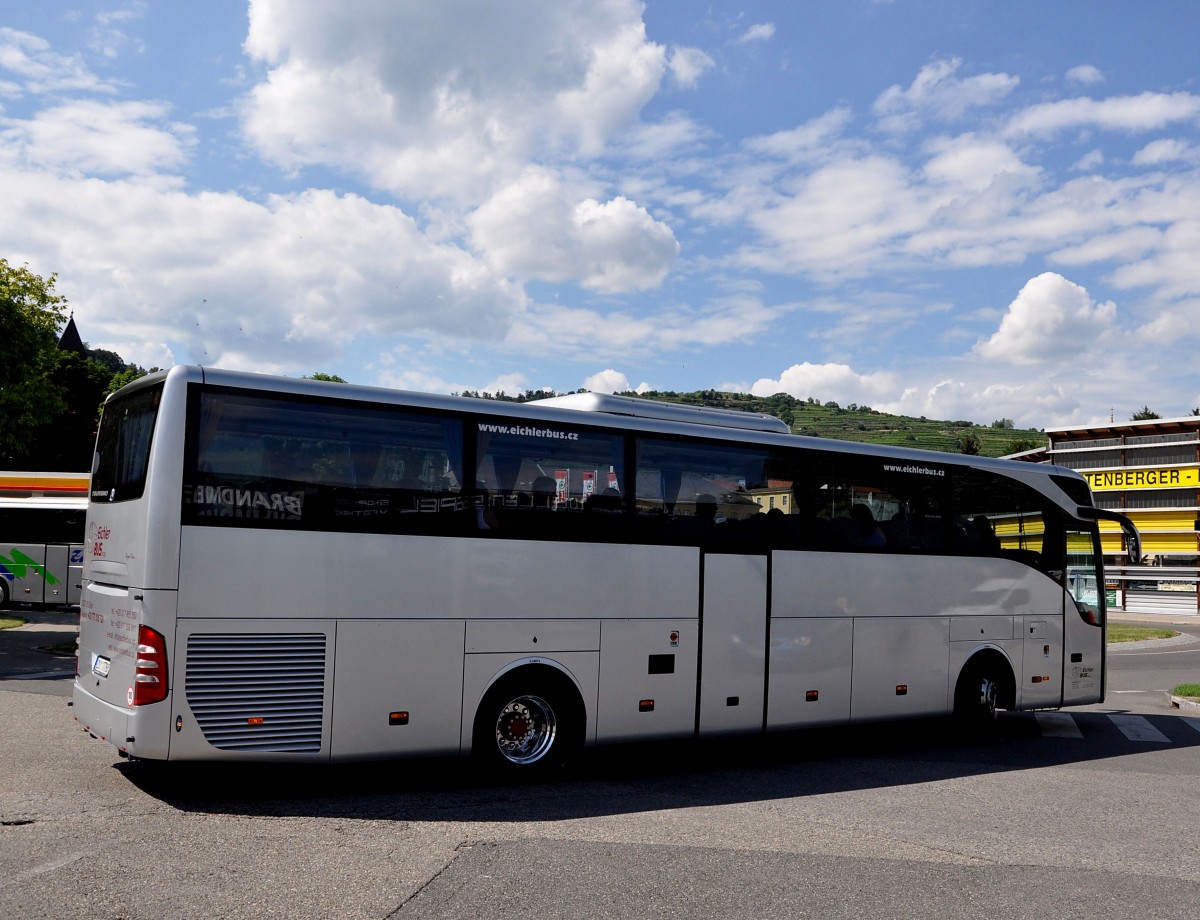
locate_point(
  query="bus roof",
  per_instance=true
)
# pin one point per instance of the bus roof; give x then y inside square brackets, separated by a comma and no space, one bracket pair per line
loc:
[611,404]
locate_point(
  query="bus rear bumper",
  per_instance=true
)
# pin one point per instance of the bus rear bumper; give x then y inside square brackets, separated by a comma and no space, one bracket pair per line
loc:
[116,725]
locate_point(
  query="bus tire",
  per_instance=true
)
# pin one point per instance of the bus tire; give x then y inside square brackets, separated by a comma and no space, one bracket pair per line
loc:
[984,685]
[529,722]
[3,593]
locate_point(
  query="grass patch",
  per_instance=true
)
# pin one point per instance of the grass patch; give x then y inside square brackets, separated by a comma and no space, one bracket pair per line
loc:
[8,622]
[1120,633]
[64,649]
[1187,690]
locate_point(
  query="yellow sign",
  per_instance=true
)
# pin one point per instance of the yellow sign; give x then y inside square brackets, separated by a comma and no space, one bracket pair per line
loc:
[1149,478]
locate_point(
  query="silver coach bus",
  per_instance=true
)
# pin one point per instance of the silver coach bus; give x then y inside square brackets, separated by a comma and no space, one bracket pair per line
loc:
[295,570]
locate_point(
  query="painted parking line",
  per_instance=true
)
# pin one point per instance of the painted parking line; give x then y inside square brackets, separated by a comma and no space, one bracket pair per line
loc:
[1138,728]
[1057,725]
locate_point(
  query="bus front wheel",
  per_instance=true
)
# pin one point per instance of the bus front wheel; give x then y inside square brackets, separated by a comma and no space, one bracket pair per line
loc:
[982,688]
[528,723]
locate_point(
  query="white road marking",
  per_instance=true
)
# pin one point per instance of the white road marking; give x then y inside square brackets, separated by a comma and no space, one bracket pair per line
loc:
[1057,725]
[1138,728]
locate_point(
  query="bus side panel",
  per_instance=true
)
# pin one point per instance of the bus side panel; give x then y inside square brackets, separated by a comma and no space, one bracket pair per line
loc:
[810,671]
[234,572]
[648,672]
[388,667]
[75,574]
[25,564]
[56,586]
[900,667]
[1083,662]
[254,689]
[922,595]
[734,644]
[1041,685]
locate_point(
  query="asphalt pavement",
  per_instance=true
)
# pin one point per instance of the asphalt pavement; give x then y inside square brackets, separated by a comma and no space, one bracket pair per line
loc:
[41,649]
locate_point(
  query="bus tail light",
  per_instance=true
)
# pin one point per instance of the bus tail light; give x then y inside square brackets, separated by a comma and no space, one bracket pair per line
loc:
[150,677]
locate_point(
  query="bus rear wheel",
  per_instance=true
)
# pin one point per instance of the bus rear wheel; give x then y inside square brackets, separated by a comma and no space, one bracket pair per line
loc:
[528,723]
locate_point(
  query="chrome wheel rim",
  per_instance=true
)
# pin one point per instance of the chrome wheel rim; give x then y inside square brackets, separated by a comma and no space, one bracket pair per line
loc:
[525,729]
[988,693]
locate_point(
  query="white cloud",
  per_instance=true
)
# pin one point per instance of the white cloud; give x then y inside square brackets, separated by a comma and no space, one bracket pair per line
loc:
[938,93]
[1049,318]
[1145,112]
[215,278]
[804,141]
[40,70]
[419,105]
[107,39]
[837,382]
[1093,159]
[1122,246]
[973,163]
[579,333]
[687,65]
[1172,326]
[534,228]
[760,32]
[607,381]
[86,137]
[1086,74]
[1166,150]
[1172,269]
[841,220]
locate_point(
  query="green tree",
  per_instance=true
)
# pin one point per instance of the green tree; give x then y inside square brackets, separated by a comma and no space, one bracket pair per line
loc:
[30,316]
[330,378]
[968,443]
[1144,414]
[65,440]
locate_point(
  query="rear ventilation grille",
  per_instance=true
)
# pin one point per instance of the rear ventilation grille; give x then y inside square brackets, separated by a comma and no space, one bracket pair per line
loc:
[257,692]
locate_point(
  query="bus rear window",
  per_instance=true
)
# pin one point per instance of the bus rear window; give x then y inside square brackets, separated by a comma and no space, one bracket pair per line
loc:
[123,446]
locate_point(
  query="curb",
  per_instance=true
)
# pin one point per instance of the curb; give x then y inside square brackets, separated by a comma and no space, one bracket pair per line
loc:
[1186,703]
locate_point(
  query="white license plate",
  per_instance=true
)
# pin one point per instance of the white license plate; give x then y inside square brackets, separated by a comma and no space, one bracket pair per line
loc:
[101,665]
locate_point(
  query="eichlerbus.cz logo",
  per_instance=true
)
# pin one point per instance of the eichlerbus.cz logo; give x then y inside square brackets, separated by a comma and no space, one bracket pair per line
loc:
[913,470]
[527,431]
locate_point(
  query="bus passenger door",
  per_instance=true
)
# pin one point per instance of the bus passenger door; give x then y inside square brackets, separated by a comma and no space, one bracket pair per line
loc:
[733,643]
[1083,622]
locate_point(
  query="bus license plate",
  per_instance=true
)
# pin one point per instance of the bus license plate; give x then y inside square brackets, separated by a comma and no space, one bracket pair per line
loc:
[101,665]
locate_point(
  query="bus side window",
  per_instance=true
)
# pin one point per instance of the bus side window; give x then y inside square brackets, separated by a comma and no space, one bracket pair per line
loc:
[710,494]
[560,483]
[998,516]
[267,460]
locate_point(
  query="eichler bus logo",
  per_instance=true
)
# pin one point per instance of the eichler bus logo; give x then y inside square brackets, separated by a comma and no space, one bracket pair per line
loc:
[97,536]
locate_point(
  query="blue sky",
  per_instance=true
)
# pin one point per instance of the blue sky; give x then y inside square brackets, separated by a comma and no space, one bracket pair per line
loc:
[953,209]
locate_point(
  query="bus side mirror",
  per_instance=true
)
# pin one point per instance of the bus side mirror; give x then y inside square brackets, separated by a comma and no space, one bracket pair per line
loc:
[1133,540]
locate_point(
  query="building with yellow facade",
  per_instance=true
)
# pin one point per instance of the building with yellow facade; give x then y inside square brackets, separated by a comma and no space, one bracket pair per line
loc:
[1150,471]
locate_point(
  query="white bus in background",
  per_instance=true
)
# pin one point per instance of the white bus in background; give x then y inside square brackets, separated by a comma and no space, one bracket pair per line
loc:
[41,537]
[301,571]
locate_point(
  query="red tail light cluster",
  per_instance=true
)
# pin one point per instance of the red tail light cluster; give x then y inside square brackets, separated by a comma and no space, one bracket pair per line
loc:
[150,677]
